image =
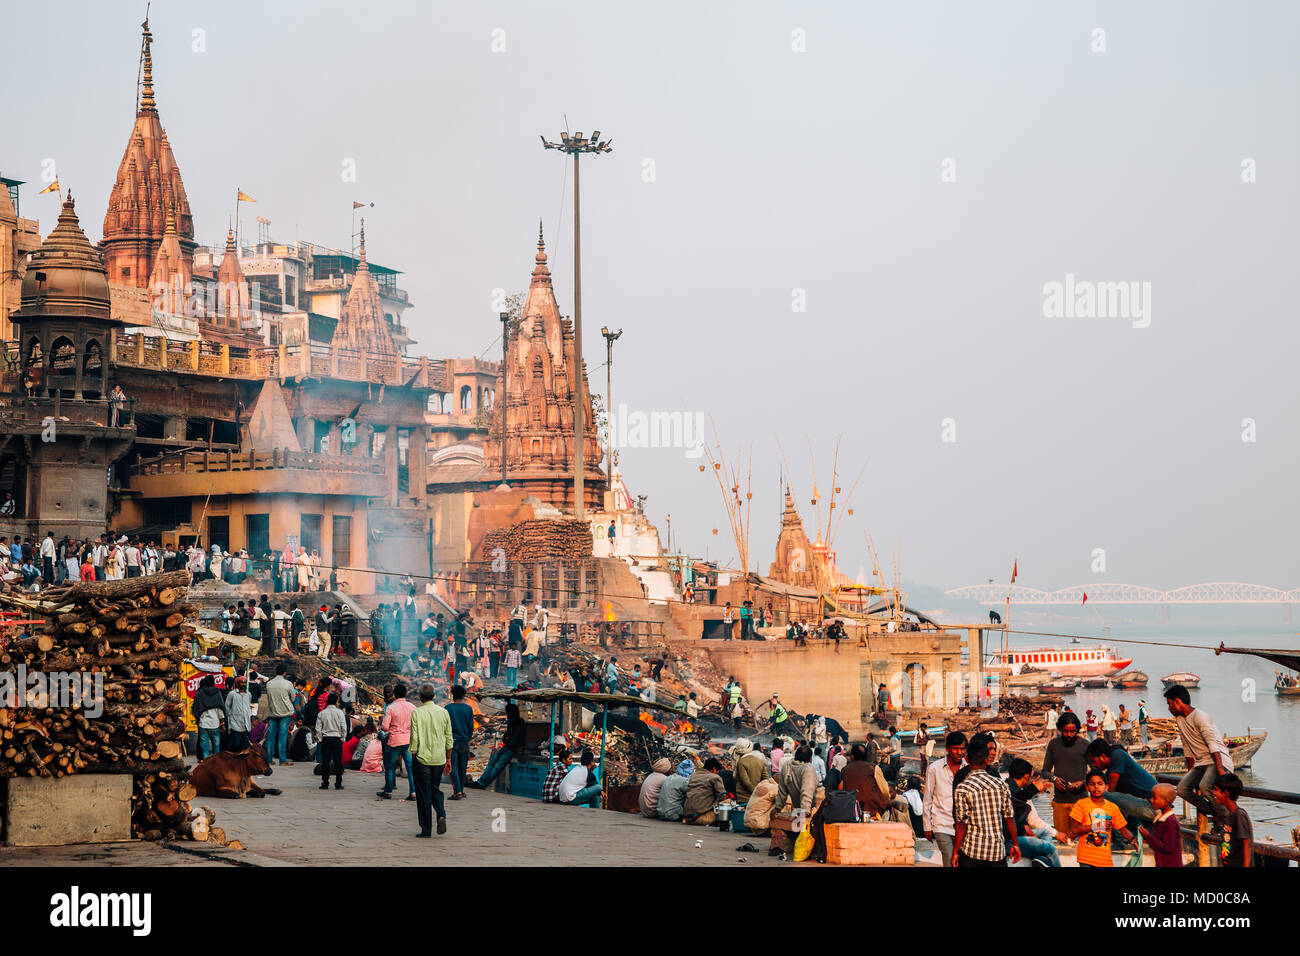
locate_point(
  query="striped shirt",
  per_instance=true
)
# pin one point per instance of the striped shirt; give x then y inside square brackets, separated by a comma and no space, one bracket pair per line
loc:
[982,802]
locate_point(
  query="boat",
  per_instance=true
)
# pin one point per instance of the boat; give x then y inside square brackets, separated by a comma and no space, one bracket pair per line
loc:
[1130,679]
[1185,678]
[1240,749]
[1082,661]
[1163,756]
[1283,691]
[1095,682]
[1060,685]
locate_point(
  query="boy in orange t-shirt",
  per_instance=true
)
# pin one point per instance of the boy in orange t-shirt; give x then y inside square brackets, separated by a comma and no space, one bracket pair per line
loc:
[1093,819]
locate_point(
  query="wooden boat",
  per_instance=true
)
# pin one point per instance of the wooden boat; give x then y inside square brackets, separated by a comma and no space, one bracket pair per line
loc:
[1185,678]
[1060,685]
[1240,749]
[1130,679]
[1155,760]
[1287,691]
[1094,682]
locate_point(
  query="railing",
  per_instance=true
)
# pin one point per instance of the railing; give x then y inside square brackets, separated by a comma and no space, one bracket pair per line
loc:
[297,361]
[79,411]
[1203,839]
[202,462]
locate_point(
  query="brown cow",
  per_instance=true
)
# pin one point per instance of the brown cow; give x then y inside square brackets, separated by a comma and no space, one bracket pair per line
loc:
[228,774]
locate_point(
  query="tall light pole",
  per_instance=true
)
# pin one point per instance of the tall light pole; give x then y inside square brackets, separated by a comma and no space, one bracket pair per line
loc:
[577,145]
[505,384]
[610,339]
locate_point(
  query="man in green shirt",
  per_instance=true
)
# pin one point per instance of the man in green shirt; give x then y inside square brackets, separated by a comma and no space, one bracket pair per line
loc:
[431,744]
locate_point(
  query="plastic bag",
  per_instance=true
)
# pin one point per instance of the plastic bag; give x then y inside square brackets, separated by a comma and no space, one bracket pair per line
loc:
[803,844]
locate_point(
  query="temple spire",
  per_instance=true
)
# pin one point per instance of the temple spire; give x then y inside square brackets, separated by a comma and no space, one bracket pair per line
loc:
[362,252]
[147,104]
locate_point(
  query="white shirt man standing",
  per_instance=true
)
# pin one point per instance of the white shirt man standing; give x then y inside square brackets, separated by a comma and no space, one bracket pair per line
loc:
[936,811]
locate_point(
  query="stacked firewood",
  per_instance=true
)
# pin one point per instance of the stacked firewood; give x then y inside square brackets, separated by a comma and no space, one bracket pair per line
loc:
[131,635]
[545,539]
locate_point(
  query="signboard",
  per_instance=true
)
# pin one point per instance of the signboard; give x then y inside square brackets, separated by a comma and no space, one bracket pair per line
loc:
[192,673]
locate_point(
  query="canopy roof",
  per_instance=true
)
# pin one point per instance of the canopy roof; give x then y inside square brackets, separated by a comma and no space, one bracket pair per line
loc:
[1287,658]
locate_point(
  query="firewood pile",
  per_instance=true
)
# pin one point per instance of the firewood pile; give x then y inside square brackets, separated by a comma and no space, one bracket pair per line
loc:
[541,539]
[129,637]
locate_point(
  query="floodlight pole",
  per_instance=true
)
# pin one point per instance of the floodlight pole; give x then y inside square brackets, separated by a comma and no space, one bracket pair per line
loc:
[577,145]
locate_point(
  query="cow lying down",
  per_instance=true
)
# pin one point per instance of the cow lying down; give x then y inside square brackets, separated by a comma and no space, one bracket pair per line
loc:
[228,774]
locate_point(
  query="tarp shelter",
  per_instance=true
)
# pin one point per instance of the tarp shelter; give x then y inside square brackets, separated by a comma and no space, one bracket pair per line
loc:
[1286,658]
[192,672]
[242,647]
[556,696]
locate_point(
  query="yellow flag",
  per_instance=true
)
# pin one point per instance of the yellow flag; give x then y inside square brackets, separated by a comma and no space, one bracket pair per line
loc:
[52,187]
[244,197]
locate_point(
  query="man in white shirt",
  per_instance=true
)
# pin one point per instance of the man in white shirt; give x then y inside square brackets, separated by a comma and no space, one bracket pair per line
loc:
[1203,747]
[47,557]
[936,813]
[133,560]
[574,789]
[332,727]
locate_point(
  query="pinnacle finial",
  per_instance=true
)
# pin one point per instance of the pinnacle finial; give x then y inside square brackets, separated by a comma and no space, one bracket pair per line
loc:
[147,103]
[363,239]
[230,240]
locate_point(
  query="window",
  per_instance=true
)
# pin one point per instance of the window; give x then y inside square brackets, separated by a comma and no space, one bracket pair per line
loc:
[466,398]
[257,530]
[403,453]
[377,439]
[310,538]
[219,531]
[321,437]
[342,541]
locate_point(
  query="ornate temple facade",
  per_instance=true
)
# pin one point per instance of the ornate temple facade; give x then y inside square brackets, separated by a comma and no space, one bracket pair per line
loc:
[147,193]
[541,382]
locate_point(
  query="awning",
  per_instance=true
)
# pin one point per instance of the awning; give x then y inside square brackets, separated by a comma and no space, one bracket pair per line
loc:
[243,647]
[1289,659]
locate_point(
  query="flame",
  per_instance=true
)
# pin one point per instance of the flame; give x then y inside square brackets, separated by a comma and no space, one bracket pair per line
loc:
[367,647]
[609,611]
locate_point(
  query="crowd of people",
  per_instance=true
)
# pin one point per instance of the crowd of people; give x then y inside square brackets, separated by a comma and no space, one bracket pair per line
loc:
[30,564]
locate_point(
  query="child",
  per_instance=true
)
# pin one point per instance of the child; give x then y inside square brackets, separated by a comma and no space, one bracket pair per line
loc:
[1237,848]
[1164,837]
[1093,819]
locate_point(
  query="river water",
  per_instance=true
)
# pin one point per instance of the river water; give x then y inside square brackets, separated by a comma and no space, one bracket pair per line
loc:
[1236,690]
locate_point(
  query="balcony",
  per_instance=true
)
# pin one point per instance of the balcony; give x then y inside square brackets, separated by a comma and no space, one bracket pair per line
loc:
[189,473]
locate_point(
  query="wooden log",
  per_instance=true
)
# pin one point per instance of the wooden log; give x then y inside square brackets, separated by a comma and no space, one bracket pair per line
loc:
[164,586]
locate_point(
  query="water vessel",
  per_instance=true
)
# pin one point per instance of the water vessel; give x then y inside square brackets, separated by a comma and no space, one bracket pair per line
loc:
[1083,661]
[1185,678]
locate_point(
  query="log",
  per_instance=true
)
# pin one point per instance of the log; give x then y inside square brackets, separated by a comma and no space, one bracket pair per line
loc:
[163,585]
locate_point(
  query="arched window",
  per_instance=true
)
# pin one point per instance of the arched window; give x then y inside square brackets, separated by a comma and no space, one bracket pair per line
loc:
[63,362]
[466,398]
[92,369]
[486,398]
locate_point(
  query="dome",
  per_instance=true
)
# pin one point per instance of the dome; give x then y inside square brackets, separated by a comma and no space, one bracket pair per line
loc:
[65,276]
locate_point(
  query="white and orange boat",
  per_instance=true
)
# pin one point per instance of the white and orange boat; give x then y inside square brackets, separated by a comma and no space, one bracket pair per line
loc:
[1075,660]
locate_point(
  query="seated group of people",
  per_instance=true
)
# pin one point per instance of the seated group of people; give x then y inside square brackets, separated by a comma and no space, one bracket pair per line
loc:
[689,792]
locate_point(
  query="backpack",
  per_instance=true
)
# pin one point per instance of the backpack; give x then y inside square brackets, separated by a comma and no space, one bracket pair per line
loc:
[841,806]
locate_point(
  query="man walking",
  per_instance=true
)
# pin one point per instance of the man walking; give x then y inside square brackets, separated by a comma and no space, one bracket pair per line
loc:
[47,558]
[431,744]
[936,811]
[982,814]
[279,702]
[1206,753]
[331,728]
[462,728]
[396,723]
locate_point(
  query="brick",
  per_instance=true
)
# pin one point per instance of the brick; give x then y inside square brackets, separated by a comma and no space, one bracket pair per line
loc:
[869,844]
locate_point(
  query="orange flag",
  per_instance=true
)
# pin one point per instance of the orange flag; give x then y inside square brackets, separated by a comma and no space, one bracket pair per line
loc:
[1015,569]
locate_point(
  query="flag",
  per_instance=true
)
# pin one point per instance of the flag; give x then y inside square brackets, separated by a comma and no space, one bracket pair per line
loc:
[358,205]
[244,197]
[1015,569]
[52,187]
[1085,599]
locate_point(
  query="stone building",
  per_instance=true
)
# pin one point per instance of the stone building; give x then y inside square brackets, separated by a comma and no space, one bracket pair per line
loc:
[19,238]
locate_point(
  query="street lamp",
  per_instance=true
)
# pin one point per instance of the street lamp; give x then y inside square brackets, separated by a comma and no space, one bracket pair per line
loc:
[505,383]
[610,339]
[576,145]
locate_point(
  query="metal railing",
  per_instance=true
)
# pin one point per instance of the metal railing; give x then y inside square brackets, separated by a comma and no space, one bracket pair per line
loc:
[79,411]
[201,462]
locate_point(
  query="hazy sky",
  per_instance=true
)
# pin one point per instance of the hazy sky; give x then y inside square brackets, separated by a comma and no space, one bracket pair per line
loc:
[776,170]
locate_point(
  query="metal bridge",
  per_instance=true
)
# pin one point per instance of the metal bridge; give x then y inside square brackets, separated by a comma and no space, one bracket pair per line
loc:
[1219,592]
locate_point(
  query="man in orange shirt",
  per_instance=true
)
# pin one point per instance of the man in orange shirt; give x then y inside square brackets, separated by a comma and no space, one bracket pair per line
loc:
[1093,820]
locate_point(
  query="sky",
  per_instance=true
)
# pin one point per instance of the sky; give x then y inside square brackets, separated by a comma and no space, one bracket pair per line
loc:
[838,221]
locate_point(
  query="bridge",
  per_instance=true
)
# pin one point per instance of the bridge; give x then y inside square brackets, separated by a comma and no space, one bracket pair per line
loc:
[1219,592]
